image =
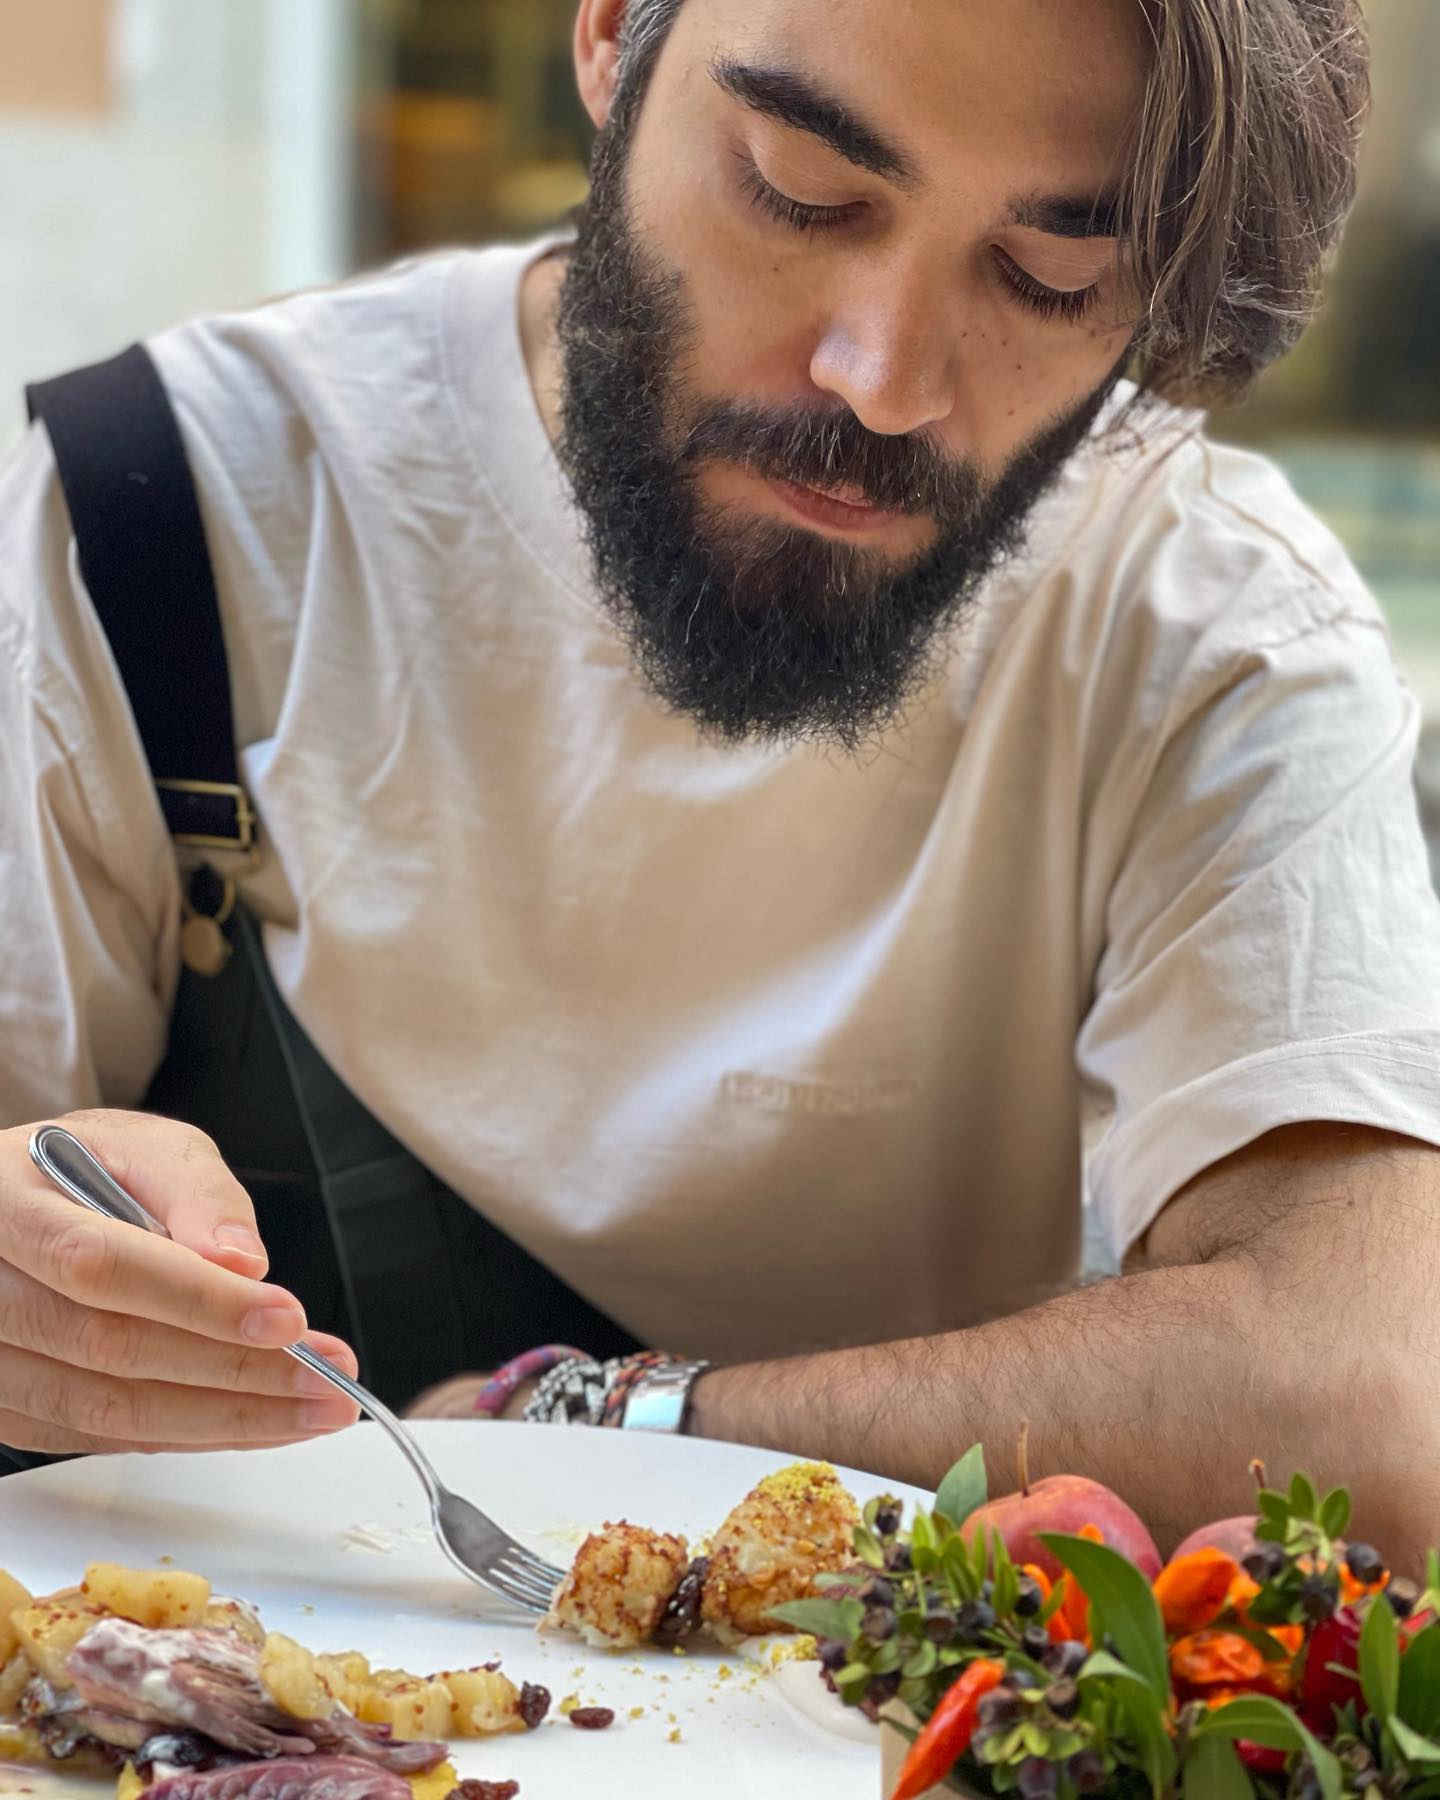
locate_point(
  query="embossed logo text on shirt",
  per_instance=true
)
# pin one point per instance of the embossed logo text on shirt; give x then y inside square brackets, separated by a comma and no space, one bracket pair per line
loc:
[825,1099]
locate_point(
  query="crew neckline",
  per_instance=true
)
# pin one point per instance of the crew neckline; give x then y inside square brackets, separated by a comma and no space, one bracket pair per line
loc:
[498,416]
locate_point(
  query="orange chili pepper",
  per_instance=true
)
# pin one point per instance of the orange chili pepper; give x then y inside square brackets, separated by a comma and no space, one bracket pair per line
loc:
[1074,1613]
[1208,1659]
[1242,1591]
[948,1731]
[1195,1589]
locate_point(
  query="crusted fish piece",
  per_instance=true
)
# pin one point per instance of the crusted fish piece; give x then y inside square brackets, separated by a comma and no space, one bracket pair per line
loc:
[619,1586]
[794,1525]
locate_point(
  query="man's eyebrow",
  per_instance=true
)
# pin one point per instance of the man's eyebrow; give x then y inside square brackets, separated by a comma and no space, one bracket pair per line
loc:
[1070,215]
[793,99]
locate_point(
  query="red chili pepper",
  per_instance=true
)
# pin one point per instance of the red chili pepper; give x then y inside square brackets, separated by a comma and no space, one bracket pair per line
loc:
[1261,1757]
[1334,1647]
[947,1734]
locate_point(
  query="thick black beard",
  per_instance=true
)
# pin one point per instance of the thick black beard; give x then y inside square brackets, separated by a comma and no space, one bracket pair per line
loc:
[752,628]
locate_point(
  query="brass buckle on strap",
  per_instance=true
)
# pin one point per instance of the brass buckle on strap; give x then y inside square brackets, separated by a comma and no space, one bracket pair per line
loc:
[241,839]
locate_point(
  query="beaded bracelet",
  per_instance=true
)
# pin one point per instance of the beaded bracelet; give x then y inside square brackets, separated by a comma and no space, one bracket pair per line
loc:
[506,1382]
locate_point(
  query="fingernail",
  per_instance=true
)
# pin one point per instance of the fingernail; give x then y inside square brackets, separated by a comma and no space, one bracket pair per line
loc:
[239,1240]
[273,1325]
[327,1415]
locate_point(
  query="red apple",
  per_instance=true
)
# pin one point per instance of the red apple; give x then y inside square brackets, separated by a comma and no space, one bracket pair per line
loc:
[1235,1537]
[1065,1503]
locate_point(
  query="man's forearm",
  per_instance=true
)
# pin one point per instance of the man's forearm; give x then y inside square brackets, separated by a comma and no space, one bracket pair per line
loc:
[1147,1383]
[1310,1348]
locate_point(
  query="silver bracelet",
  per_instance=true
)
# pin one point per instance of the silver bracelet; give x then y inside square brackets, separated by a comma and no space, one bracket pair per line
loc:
[572,1393]
[660,1398]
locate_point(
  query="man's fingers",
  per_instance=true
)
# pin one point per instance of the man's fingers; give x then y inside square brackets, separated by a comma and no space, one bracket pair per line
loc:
[43,1439]
[102,1264]
[177,1173]
[145,1414]
[33,1317]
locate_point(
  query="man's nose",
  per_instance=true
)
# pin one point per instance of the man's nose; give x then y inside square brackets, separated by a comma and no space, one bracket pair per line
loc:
[887,352]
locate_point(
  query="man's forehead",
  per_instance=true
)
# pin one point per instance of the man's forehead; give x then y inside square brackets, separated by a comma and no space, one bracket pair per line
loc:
[1055,84]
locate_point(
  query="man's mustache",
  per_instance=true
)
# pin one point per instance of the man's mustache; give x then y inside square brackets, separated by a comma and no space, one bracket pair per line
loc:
[833,449]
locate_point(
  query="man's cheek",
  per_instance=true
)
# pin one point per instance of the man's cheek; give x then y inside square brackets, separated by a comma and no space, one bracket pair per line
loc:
[1026,394]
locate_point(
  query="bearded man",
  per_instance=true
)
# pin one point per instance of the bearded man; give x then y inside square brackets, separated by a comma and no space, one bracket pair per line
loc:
[787,767]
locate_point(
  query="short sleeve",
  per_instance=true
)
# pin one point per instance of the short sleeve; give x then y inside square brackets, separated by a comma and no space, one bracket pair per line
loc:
[88,876]
[1271,937]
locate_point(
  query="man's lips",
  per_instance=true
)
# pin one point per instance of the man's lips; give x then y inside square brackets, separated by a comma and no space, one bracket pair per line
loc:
[842,508]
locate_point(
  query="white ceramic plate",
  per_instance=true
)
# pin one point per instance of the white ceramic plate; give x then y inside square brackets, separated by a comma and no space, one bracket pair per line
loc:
[331,1541]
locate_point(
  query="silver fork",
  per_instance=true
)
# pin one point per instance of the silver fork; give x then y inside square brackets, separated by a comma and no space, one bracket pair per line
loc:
[474,1543]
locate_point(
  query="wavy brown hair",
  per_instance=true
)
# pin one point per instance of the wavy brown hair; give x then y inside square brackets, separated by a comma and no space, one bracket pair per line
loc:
[1237,178]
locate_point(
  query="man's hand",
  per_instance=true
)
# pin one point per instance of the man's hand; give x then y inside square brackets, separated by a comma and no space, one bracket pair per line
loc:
[114,1339]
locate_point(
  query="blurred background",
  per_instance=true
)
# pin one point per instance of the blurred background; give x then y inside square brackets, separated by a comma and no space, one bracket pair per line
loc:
[160,158]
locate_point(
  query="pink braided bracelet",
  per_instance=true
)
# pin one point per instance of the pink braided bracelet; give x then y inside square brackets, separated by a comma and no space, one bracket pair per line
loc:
[503,1385]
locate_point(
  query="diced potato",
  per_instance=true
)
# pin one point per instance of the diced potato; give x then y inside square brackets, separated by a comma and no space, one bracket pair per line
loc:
[378,1684]
[154,1597]
[486,1703]
[412,1708]
[236,1616]
[13,1677]
[347,1677]
[21,1744]
[289,1676]
[13,1599]
[50,1629]
[439,1784]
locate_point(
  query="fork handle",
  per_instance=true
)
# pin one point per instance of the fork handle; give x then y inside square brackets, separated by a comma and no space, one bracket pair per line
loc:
[66,1161]
[60,1156]
[377,1410]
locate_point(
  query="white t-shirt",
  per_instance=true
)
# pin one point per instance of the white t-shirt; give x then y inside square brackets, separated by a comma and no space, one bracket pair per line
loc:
[759,1048]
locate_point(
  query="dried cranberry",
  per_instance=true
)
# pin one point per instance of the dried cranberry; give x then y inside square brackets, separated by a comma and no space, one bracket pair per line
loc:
[681,1618]
[534,1704]
[485,1790]
[592,1718]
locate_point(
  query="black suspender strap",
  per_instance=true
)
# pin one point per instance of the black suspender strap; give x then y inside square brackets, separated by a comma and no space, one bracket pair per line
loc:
[127,483]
